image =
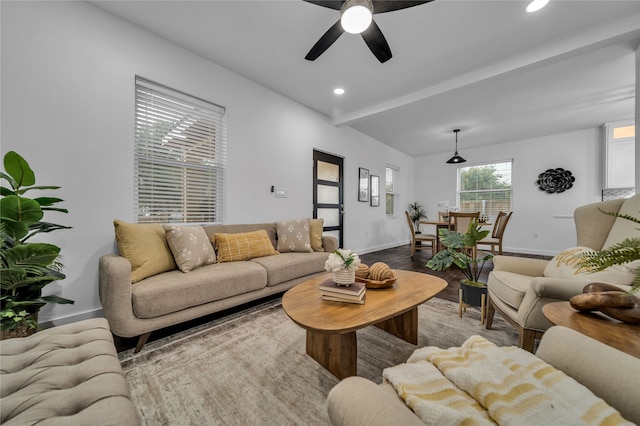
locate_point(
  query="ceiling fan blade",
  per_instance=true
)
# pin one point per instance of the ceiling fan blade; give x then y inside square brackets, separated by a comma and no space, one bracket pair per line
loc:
[382,6]
[377,43]
[325,41]
[331,4]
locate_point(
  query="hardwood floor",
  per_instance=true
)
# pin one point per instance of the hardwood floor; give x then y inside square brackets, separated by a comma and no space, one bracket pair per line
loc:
[400,258]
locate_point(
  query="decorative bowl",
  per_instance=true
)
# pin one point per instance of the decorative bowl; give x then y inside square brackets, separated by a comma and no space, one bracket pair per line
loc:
[373,284]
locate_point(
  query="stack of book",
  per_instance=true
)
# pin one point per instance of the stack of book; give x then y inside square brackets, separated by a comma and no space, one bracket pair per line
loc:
[339,293]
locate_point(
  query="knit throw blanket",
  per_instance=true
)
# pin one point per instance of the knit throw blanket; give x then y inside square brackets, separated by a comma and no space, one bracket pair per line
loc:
[480,383]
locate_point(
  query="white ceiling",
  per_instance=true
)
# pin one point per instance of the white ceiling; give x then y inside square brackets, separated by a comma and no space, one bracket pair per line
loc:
[487,67]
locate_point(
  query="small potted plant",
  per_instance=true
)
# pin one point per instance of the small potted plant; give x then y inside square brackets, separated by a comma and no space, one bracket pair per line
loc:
[417,212]
[343,264]
[25,267]
[459,249]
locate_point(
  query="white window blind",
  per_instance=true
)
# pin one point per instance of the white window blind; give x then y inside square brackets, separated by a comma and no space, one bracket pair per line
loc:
[485,188]
[180,156]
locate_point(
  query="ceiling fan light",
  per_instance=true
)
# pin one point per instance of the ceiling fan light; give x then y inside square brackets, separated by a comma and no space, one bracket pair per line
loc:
[356,16]
[536,5]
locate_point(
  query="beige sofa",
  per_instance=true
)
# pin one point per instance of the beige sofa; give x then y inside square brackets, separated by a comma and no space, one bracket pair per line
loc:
[66,375]
[174,296]
[610,374]
[519,287]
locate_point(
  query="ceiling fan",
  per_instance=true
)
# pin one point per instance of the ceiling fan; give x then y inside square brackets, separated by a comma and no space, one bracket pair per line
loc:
[356,17]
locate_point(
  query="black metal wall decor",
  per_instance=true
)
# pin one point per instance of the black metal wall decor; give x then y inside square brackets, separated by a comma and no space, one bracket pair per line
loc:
[555,180]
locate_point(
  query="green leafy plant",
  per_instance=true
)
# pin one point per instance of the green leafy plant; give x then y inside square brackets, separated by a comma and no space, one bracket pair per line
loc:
[417,212]
[25,267]
[459,248]
[624,252]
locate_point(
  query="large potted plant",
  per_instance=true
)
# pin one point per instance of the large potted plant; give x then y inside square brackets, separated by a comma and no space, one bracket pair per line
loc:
[26,267]
[460,250]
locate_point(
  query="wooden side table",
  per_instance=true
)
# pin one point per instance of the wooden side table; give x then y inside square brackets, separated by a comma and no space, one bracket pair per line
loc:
[624,337]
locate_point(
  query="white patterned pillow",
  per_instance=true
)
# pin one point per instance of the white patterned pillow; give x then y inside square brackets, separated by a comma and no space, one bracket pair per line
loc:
[293,235]
[564,265]
[190,246]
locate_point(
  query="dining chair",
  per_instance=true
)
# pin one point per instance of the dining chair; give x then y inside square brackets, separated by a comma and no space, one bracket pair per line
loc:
[460,223]
[423,238]
[444,217]
[495,240]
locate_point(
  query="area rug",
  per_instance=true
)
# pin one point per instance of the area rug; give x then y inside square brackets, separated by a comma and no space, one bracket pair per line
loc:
[250,368]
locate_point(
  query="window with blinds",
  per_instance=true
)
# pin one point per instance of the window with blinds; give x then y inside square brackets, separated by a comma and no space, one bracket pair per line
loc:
[391,196]
[485,188]
[180,156]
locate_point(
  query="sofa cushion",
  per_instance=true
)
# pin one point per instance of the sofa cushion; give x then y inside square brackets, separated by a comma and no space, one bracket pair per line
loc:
[293,235]
[190,246]
[243,246]
[270,227]
[564,265]
[509,287]
[145,247]
[289,266]
[65,375]
[625,228]
[315,234]
[173,291]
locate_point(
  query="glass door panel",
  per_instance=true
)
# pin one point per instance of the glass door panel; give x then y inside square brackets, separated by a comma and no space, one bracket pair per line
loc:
[328,194]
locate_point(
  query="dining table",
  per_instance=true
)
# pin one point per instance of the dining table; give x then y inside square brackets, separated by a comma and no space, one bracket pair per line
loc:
[445,224]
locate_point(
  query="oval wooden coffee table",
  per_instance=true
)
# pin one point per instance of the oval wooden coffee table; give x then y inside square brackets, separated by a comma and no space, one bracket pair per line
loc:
[331,326]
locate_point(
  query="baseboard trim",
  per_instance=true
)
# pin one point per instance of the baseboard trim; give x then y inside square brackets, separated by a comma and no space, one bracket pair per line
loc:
[98,313]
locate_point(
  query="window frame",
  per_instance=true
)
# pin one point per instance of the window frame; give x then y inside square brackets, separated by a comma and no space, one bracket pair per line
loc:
[395,171]
[179,156]
[459,190]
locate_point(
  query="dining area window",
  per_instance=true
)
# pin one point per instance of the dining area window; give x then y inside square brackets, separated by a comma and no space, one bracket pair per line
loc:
[485,188]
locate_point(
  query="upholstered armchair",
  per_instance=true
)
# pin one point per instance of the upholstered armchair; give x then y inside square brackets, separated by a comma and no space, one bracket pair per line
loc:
[519,287]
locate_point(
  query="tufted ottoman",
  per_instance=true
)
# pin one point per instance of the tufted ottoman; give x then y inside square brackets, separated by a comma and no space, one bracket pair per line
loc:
[64,375]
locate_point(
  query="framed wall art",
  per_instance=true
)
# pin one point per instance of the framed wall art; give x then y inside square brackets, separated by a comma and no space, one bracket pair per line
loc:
[363,185]
[375,190]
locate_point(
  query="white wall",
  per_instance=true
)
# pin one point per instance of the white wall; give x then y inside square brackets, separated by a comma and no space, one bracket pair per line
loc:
[68,107]
[551,215]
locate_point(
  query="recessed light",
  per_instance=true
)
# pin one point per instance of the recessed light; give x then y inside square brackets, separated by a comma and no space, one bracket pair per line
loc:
[536,5]
[338,91]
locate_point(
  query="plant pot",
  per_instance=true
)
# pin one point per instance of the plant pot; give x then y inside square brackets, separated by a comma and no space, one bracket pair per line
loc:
[418,243]
[345,277]
[23,330]
[471,294]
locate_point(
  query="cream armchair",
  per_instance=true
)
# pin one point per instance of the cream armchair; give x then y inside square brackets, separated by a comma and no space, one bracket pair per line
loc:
[518,288]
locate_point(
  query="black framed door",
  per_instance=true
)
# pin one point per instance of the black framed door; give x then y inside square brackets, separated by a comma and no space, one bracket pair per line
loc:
[328,199]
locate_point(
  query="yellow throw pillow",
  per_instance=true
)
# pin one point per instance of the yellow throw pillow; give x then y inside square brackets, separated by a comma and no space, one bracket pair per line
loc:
[145,247]
[243,246]
[315,234]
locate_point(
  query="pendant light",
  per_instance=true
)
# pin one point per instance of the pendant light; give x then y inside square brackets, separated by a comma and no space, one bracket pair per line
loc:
[456,158]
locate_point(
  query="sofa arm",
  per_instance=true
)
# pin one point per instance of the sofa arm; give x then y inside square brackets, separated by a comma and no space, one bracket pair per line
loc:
[329,243]
[114,285]
[520,265]
[358,401]
[609,373]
